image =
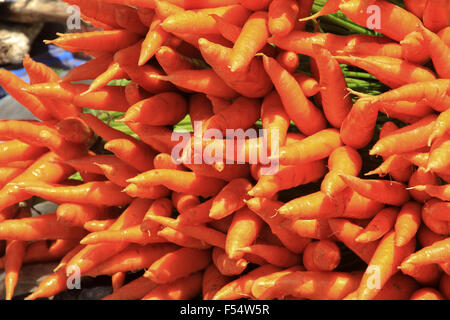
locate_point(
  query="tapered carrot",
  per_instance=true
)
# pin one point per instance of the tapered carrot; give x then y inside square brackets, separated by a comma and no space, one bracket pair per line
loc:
[440,192]
[155,37]
[329,7]
[267,210]
[288,60]
[242,232]
[50,286]
[7,174]
[75,130]
[310,228]
[15,150]
[133,290]
[358,127]
[203,81]
[282,15]
[308,118]
[434,216]
[346,232]
[167,268]
[335,100]
[308,149]
[213,281]
[109,41]
[412,48]
[134,257]
[100,11]
[180,181]
[201,232]
[275,255]
[314,285]
[274,119]
[252,38]
[241,287]
[409,138]
[301,42]
[322,255]
[288,177]
[342,160]
[421,177]
[159,138]
[393,72]
[384,262]
[131,235]
[181,239]
[407,223]
[436,253]
[197,214]
[48,168]
[160,207]
[230,199]
[76,215]
[378,226]
[14,85]
[252,82]
[90,69]
[182,289]
[113,72]
[146,192]
[227,266]
[133,153]
[184,201]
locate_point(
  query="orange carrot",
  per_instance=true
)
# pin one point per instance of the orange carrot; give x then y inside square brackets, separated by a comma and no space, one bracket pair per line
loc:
[407,223]
[436,20]
[378,226]
[184,201]
[98,225]
[15,150]
[282,15]
[182,289]
[133,290]
[230,199]
[427,294]
[308,118]
[153,40]
[181,239]
[441,127]
[288,60]
[227,266]
[160,207]
[384,191]
[76,215]
[421,177]
[132,153]
[438,51]
[252,38]
[439,160]
[440,192]
[275,255]
[434,217]
[213,281]
[274,119]
[384,263]
[322,255]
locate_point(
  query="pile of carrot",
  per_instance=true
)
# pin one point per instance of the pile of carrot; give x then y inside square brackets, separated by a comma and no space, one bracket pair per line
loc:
[225,230]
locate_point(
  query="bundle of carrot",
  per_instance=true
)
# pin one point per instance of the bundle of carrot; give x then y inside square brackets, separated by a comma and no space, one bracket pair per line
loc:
[343,193]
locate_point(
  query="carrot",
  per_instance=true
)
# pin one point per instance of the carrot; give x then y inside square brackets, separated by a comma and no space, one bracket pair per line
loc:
[184,201]
[412,48]
[181,239]
[7,174]
[134,93]
[309,229]
[113,72]
[98,225]
[398,287]
[227,266]
[439,160]
[155,37]
[117,280]
[282,15]
[146,192]
[9,212]
[242,286]
[441,127]
[76,215]
[133,290]
[242,232]
[393,193]
[357,11]
[106,41]
[346,232]
[275,255]
[15,150]
[182,289]
[421,177]
[438,50]
[200,21]
[393,72]
[288,177]
[436,20]
[146,15]
[322,255]
[167,269]
[328,8]
[197,214]
[427,294]
[218,104]
[131,235]
[252,82]
[335,99]
[434,216]
[203,81]
[200,232]
[110,98]
[50,286]
[431,92]
[14,86]
[274,119]
[444,34]
[358,127]
[213,281]
[160,207]
[440,192]
[266,209]
[378,226]
[98,10]
[230,199]
[342,160]
[132,153]
[128,18]
[252,38]
[305,115]
[180,181]
[307,150]
[407,223]
[48,169]
[313,285]
[75,130]
[385,260]
[426,275]
[302,42]
[158,138]
[134,257]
